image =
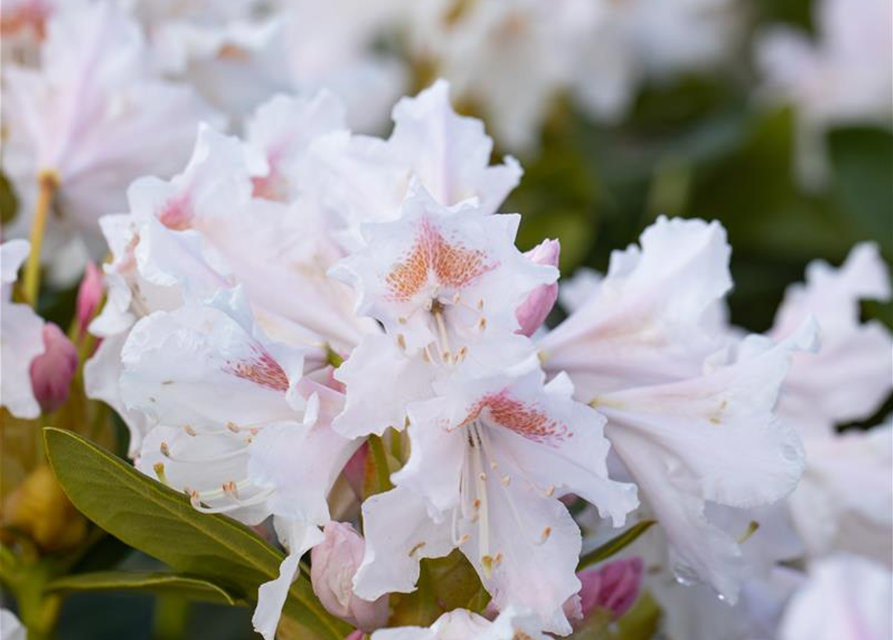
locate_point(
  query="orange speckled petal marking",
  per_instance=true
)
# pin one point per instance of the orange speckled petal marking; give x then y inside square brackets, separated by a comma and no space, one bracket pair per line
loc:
[262,369]
[453,265]
[524,419]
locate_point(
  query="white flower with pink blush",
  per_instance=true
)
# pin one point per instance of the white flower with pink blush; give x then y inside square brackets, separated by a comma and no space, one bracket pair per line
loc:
[93,118]
[444,282]
[490,458]
[690,407]
[268,450]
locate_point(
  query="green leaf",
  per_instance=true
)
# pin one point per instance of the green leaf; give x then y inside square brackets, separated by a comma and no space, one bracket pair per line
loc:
[615,544]
[161,522]
[189,587]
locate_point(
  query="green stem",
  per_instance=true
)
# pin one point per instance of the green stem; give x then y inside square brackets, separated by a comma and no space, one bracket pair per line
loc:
[47,183]
[380,458]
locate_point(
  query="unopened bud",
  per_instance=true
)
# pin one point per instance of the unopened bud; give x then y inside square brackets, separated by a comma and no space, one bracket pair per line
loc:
[611,588]
[52,371]
[89,297]
[333,565]
[533,311]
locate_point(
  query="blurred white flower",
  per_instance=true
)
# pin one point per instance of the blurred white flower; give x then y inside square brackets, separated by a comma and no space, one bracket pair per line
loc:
[842,76]
[846,597]
[843,501]
[850,377]
[94,117]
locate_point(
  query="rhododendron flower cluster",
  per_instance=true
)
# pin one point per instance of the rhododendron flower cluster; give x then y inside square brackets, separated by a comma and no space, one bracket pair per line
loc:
[340,339]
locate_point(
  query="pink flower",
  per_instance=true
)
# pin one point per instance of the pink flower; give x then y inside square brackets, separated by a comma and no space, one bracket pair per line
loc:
[533,311]
[333,565]
[89,297]
[52,371]
[614,587]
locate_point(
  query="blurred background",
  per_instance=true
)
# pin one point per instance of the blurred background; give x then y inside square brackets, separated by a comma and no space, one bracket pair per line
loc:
[772,116]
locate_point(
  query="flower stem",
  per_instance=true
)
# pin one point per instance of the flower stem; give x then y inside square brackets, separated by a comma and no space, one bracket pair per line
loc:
[47,183]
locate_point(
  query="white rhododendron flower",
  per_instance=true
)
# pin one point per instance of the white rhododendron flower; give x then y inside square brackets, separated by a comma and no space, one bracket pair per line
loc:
[513,60]
[842,503]
[692,427]
[237,61]
[21,337]
[489,460]
[850,377]
[93,118]
[845,597]
[361,179]
[842,75]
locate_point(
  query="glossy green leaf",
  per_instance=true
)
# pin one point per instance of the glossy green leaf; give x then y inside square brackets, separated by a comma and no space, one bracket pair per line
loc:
[161,522]
[188,587]
[615,544]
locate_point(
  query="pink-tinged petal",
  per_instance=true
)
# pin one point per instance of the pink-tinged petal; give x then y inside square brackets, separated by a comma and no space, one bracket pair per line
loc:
[282,129]
[447,275]
[333,565]
[53,370]
[209,367]
[355,470]
[533,312]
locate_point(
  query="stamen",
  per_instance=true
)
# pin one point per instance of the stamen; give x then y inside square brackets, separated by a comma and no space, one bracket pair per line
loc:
[401,341]
[165,450]
[545,536]
[189,430]
[158,468]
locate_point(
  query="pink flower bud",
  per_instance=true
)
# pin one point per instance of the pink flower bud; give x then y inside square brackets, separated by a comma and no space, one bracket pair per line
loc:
[89,297]
[333,565]
[533,311]
[613,587]
[52,371]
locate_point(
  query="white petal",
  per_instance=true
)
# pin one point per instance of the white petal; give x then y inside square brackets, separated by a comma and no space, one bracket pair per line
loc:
[199,365]
[846,597]
[102,375]
[710,438]
[272,595]
[372,407]
[21,340]
[391,562]
[850,377]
